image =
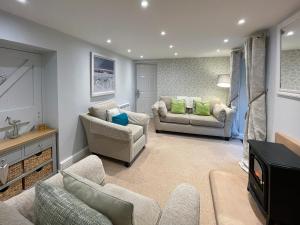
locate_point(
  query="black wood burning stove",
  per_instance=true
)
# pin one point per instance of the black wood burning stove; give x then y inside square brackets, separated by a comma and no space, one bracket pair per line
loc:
[274,182]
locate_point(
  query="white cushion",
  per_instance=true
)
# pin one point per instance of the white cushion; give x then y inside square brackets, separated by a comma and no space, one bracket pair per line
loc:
[112,112]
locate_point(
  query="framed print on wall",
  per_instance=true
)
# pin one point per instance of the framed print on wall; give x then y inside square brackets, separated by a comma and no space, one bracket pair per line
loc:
[102,75]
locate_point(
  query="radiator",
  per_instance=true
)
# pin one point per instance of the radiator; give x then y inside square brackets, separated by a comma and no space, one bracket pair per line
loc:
[125,106]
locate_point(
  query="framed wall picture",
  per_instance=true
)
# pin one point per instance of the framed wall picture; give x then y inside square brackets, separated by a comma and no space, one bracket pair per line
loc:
[102,75]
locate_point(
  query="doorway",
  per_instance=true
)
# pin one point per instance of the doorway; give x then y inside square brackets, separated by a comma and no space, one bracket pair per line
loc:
[146,87]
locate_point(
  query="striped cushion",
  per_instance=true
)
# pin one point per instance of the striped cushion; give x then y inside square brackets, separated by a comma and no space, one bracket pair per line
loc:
[55,206]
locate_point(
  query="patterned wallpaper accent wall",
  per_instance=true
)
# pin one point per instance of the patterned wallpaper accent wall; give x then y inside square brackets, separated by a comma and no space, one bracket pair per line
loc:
[192,77]
[290,69]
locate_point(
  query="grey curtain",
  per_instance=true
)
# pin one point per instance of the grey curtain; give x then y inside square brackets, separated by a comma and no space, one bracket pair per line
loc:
[256,121]
[235,75]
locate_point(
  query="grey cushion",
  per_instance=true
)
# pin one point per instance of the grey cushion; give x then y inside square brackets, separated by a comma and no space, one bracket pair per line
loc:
[100,109]
[206,121]
[137,131]
[120,212]
[10,216]
[167,100]
[219,112]
[55,206]
[176,118]
[163,111]
[146,210]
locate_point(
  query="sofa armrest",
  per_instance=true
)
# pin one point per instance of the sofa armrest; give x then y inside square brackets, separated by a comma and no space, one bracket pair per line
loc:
[228,121]
[107,129]
[155,109]
[183,207]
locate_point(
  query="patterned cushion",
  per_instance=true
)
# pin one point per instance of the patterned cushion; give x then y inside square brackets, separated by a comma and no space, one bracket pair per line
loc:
[162,109]
[219,112]
[55,206]
[120,212]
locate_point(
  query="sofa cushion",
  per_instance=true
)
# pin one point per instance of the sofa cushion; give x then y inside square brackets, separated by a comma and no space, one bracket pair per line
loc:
[167,100]
[219,112]
[137,131]
[206,121]
[202,108]
[11,216]
[119,212]
[178,106]
[120,119]
[146,210]
[176,118]
[112,112]
[100,109]
[162,109]
[55,206]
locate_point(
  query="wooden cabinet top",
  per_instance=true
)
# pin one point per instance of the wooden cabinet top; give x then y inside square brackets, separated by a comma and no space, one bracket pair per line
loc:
[10,144]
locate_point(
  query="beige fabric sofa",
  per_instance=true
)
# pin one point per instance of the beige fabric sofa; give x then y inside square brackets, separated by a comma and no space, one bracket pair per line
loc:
[123,143]
[190,123]
[182,208]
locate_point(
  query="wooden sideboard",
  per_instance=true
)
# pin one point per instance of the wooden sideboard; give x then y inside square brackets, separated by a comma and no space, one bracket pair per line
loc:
[30,157]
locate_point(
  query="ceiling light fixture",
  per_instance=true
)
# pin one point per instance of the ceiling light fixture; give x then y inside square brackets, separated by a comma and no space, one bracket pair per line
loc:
[171,46]
[108,41]
[290,33]
[218,50]
[22,1]
[176,54]
[226,40]
[141,56]
[163,33]
[241,21]
[144,4]
[129,50]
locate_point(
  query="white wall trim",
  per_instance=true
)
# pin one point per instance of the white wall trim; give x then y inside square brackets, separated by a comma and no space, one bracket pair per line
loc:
[74,158]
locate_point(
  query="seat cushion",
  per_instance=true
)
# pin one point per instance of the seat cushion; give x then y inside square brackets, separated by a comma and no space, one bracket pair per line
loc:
[11,216]
[137,131]
[146,210]
[205,121]
[100,110]
[176,118]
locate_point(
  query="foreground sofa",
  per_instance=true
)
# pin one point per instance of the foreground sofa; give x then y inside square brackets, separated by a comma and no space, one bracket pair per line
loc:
[182,208]
[190,123]
[123,143]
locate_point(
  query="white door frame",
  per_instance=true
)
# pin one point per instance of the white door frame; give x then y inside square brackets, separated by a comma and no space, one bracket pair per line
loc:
[135,94]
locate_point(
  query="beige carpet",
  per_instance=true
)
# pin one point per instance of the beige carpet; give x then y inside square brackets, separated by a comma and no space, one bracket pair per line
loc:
[171,159]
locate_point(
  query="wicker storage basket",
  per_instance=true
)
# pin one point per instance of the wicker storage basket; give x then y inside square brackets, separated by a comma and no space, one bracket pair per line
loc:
[11,191]
[38,159]
[37,175]
[14,171]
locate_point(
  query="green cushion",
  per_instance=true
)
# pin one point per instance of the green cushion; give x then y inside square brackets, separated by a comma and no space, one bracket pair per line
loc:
[55,206]
[178,106]
[120,212]
[202,108]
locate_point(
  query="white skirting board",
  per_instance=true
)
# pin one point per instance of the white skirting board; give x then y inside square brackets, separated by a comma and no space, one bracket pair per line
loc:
[74,158]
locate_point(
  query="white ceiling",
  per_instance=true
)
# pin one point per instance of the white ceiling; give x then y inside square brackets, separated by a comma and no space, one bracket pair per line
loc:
[196,27]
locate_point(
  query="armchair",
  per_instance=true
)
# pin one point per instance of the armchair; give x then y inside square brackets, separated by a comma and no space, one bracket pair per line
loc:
[122,143]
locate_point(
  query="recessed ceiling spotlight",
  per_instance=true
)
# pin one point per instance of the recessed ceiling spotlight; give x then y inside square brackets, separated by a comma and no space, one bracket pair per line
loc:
[144,4]
[218,50]
[226,40]
[241,21]
[141,56]
[108,41]
[163,33]
[171,46]
[290,33]
[22,1]
[129,50]
[176,53]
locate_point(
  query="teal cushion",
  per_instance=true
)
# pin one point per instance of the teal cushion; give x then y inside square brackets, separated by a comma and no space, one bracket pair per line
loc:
[121,119]
[55,206]
[119,212]
[178,106]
